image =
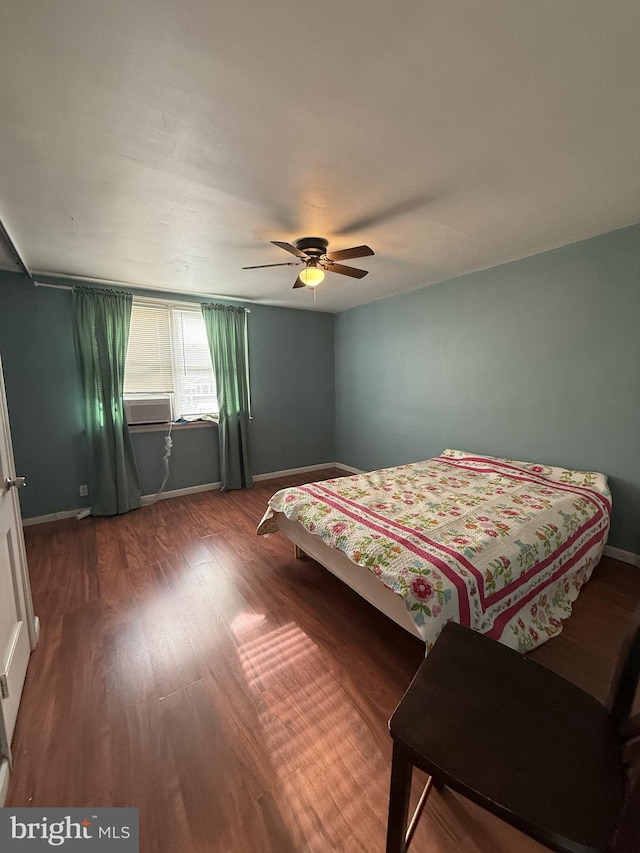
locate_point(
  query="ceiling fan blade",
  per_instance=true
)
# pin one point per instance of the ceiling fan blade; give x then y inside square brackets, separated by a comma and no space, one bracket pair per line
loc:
[342,270]
[299,283]
[263,266]
[345,254]
[370,220]
[289,248]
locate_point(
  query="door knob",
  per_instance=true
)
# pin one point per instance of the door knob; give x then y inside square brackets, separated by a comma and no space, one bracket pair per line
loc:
[17,482]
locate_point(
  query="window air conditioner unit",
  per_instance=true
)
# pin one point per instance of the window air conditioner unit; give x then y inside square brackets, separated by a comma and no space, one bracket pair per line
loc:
[148,410]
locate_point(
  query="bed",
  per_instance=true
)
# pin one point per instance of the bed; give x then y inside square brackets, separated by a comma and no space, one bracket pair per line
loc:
[500,545]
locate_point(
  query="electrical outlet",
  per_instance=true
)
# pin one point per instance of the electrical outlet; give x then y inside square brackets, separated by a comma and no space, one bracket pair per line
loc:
[84,491]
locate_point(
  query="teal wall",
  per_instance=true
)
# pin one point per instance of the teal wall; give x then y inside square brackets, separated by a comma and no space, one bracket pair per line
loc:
[537,360]
[291,356]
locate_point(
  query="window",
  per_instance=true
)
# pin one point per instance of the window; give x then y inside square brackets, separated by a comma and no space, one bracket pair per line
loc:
[168,353]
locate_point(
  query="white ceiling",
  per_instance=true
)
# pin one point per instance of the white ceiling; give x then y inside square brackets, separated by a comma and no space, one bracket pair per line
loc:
[163,143]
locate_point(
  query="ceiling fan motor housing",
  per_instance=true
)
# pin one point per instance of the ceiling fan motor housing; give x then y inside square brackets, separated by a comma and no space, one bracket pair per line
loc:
[312,246]
[312,252]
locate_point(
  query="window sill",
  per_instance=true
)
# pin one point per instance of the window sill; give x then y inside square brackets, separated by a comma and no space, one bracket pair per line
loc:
[136,428]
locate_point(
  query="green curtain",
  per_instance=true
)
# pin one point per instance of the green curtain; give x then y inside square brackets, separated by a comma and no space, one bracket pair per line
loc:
[226,333]
[101,320]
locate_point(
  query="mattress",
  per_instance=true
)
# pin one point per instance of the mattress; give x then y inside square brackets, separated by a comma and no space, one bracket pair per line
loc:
[499,545]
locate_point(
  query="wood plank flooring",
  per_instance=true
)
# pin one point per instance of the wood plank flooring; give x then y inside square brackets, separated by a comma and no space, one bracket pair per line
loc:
[239,697]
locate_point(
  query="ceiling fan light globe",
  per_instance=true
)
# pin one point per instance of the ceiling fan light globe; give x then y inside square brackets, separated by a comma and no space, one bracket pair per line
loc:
[312,276]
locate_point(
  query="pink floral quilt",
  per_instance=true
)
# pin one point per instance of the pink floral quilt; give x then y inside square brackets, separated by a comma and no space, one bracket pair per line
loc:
[499,545]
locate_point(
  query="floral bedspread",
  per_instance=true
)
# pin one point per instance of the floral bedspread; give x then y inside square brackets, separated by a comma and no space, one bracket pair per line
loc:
[499,545]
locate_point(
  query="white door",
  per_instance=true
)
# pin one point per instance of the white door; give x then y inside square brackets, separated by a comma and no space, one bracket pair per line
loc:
[18,628]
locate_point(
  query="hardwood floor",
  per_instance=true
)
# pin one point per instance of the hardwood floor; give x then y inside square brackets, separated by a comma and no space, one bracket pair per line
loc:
[237,696]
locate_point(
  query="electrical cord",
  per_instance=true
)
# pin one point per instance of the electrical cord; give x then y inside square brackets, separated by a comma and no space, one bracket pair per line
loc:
[168,444]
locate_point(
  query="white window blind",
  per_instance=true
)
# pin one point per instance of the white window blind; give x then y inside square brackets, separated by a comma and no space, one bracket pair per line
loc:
[168,353]
[195,384]
[149,366]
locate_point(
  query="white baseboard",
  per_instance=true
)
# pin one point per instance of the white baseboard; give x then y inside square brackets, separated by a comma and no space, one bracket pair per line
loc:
[145,500]
[271,475]
[623,556]
[610,550]
[178,493]
[349,468]
[53,516]
[192,490]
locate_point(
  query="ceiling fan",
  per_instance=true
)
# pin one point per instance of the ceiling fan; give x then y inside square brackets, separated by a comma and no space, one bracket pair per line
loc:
[312,252]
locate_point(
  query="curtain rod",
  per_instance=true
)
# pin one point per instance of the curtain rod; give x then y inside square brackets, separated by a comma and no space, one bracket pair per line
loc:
[54,286]
[105,282]
[149,298]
